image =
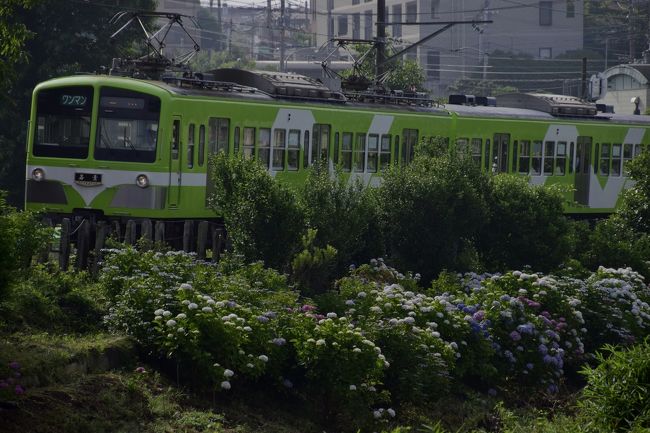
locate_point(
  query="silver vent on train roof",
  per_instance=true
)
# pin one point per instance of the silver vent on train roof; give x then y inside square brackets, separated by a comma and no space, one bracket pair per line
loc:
[556,105]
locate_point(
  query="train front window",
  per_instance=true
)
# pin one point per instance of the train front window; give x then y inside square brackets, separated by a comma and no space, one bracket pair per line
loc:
[63,122]
[127,127]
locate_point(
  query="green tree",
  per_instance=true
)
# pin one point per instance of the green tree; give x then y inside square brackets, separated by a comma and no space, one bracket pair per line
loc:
[262,216]
[56,41]
[527,226]
[466,86]
[431,209]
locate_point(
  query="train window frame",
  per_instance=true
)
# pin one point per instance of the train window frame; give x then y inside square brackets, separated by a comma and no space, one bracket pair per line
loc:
[524,155]
[627,159]
[201,155]
[305,150]
[190,145]
[176,138]
[560,158]
[248,147]
[219,134]
[409,142]
[616,161]
[293,149]
[335,155]
[604,157]
[384,151]
[515,154]
[347,145]
[264,146]
[396,151]
[359,153]
[320,141]
[236,140]
[596,158]
[548,158]
[279,147]
[486,155]
[572,156]
[536,156]
[372,162]
[477,150]
[462,145]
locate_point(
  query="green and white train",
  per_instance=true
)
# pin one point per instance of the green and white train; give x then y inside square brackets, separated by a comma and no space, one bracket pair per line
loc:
[104,147]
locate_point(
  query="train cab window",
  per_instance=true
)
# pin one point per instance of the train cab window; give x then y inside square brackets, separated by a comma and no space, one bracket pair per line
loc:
[201,155]
[336,148]
[305,151]
[373,153]
[63,122]
[249,142]
[127,126]
[279,145]
[486,155]
[346,151]
[560,158]
[235,141]
[190,146]
[536,159]
[264,146]
[616,160]
[604,159]
[571,156]
[476,150]
[293,152]
[360,153]
[549,155]
[384,152]
[524,156]
[408,144]
[219,132]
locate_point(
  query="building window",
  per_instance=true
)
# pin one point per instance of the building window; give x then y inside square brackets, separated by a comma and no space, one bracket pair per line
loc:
[367,25]
[433,65]
[545,53]
[435,8]
[570,9]
[355,2]
[397,18]
[343,25]
[411,12]
[356,26]
[545,13]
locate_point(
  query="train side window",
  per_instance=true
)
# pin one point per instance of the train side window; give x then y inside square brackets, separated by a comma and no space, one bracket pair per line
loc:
[524,156]
[476,150]
[293,153]
[249,142]
[560,159]
[515,153]
[604,159]
[536,159]
[305,152]
[236,141]
[486,155]
[596,160]
[201,155]
[627,156]
[190,146]
[408,144]
[571,156]
[279,148]
[616,159]
[461,146]
[396,151]
[320,142]
[346,151]
[637,150]
[373,152]
[360,153]
[264,146]
[176,133]
[384,152]
[219,132]
[549,154]
[336,148]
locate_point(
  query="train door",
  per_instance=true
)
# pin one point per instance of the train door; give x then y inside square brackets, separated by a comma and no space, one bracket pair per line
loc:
[174,191]
[582,170]
[500,153]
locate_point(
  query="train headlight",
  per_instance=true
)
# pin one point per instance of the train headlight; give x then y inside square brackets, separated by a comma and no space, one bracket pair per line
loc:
[38,174]
[142,181]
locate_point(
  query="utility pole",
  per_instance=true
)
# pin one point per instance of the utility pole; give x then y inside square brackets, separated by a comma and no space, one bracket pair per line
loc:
[583,93]
[282,69]
[230,39]
[381,37]
[220,46]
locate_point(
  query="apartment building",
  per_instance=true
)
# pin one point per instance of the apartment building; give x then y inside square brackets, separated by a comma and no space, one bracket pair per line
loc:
[541,29]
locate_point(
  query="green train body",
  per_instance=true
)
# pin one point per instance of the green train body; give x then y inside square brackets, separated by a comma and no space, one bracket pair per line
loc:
[116,148]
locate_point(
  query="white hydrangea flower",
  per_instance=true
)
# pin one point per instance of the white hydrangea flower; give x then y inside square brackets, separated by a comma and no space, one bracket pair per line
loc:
[206,309]
[171,323]
[225,385]
[263,358]
[166,313]
[192,306]
[228,373]
[159,312]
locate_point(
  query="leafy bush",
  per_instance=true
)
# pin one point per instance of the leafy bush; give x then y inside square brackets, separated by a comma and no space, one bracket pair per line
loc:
[344,213]
[528,226]
[313,268]
[616,396]
[262,217]
[428,208]
[635,209]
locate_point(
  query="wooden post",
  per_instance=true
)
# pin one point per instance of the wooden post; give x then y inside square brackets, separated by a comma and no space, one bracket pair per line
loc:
[44,255]
[159,235]
[117,230]
[188,228]
[64,244]
[217,240]
[83,244]
[130,233]
[202,240]
[100,241]
[146,234]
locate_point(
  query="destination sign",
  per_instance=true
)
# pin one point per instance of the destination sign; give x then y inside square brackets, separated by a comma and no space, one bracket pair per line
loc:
[74,100]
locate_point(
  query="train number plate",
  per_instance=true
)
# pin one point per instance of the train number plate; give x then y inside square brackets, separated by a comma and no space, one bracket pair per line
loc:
[88,179]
